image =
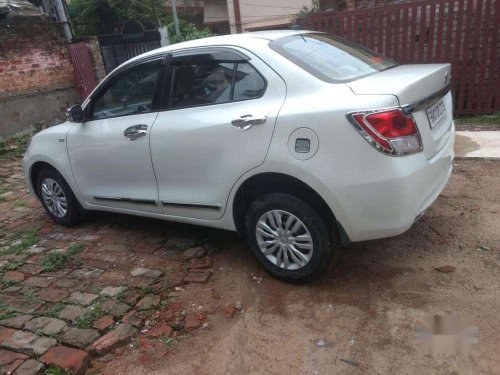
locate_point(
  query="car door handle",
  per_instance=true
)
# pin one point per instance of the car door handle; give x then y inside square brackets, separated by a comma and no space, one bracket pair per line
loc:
[135,132]
[247,121]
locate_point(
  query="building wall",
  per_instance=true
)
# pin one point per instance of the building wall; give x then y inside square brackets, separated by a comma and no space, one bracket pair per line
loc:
[215,11]
[34,64]
[258,14]
[33,56]
[253,15]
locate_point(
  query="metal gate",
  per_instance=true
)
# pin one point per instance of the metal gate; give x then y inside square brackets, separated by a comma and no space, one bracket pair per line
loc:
[120,47]
[463,32]
[83,67]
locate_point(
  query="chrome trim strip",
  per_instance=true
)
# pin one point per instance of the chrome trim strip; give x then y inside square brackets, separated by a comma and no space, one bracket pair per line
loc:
[192,205]
[127,200]
[425,102]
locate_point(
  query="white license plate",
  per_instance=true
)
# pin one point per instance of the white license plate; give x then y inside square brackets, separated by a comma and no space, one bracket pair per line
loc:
[435,113]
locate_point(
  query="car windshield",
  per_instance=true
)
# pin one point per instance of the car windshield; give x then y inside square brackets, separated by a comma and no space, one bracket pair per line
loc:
[330,58]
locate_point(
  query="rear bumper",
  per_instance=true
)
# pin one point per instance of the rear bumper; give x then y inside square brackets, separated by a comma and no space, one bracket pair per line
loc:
[386,199]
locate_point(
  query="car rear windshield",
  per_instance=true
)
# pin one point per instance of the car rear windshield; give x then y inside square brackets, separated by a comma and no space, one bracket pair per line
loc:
[330,58]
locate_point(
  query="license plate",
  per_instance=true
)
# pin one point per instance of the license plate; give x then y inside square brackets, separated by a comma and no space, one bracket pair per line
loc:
[435,113]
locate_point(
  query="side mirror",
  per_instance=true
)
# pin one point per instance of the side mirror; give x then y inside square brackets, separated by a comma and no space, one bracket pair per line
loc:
[75,113]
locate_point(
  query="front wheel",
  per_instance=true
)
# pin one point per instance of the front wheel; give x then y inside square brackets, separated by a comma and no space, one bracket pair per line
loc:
[288,237]
[57,198]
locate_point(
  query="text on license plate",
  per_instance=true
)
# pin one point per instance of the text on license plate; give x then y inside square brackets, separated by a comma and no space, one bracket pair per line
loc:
[435,113]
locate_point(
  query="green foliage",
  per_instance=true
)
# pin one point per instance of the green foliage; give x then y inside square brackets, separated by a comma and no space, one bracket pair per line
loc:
[91,315]
[19,203]
[493,119]
[54,311]
[92,17]
[14,146]
[53,370]
[54,261]
[319,6]
[32,296]
[30,239]
[7,312]
[146,289]
[168,340]
[13,265]
[188,31]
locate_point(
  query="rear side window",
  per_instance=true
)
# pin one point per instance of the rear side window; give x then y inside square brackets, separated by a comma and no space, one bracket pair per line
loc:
[202,84]
[330,58]
[248,84]
[214,82]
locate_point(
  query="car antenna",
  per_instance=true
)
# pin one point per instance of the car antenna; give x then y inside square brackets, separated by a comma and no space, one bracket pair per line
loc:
[300,26]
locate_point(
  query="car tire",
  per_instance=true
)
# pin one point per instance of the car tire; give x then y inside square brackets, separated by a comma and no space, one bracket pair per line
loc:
[57,198]
[281,222]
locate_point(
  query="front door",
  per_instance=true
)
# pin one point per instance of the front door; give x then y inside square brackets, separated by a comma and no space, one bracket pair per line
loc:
[109,152]
[218,125]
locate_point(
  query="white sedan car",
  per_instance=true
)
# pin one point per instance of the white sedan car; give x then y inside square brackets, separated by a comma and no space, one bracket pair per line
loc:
[300,141]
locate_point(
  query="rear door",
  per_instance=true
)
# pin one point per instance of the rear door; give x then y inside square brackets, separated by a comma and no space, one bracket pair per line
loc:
[217,124]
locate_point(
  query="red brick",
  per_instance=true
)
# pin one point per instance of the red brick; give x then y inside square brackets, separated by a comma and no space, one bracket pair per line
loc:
[11,367]
[192,321]
[69,359]
[6,333]
[46,230]
[7,357]
[104,322]
[113,339]
[52,294]
[198,277]
[10,361]
[133,318]
[146,248]
[163,330]
[199,263]
[15,224]
[14,276]
[228,310]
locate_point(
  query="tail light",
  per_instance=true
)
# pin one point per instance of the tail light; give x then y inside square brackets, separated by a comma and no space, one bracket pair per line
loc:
[389,131]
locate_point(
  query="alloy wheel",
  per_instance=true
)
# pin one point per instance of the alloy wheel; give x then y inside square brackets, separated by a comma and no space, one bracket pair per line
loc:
[54,198]
[284,239]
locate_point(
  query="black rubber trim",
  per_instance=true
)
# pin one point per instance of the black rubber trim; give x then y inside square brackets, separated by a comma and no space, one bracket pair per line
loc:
[127,200]
[191,205]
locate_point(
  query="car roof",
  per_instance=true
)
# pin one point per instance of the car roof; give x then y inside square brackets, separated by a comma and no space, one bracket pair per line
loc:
[231,39]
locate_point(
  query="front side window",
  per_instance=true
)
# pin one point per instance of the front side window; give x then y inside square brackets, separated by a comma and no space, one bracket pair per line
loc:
[330,58]
[214,82]
[131,92]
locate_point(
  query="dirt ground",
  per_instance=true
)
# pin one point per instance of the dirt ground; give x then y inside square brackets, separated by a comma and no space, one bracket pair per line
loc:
[365,309]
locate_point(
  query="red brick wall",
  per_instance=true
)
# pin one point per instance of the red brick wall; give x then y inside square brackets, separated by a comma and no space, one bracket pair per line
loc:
[33,56]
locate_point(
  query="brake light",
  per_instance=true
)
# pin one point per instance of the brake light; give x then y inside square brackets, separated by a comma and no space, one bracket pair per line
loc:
[389,131]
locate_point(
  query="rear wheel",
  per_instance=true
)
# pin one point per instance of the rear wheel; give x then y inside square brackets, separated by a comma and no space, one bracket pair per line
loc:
[57,198]
[288,237]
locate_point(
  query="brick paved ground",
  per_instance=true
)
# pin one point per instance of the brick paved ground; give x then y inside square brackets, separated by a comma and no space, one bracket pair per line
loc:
[68,295]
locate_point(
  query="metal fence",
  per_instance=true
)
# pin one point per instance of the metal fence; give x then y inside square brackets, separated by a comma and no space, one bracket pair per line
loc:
[462,32]
[81,60]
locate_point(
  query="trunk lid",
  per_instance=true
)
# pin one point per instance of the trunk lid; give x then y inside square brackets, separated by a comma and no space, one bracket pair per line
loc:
[421,90]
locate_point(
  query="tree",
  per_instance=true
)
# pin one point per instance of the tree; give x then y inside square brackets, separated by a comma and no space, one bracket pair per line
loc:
[188,31]
[319,6]
[91,17]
